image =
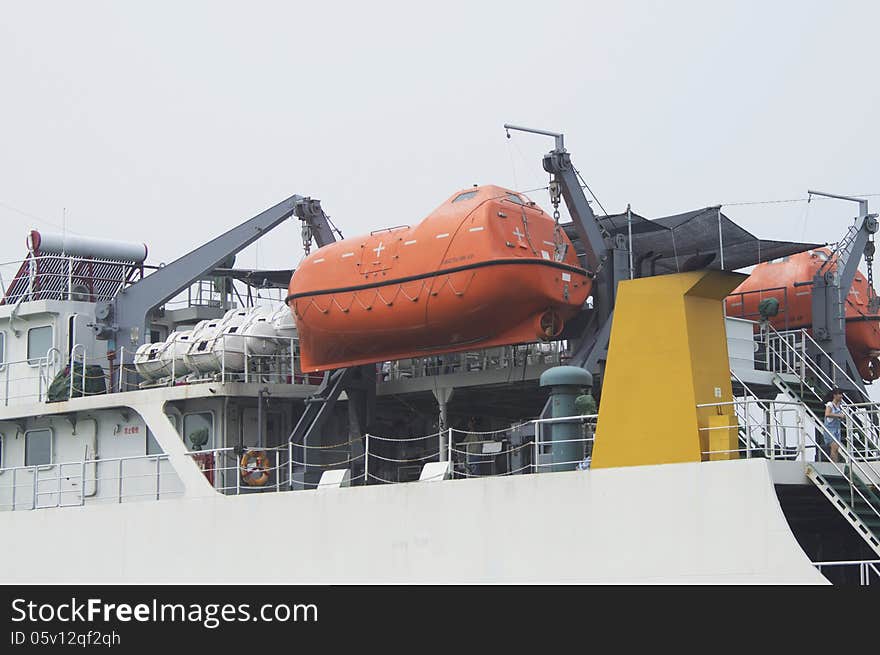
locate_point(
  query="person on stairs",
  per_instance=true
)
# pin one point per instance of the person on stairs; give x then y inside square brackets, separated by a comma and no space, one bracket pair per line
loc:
[833,418]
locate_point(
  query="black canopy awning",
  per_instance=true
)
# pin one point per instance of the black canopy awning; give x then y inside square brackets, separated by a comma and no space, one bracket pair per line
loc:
[690,241]
[257,278]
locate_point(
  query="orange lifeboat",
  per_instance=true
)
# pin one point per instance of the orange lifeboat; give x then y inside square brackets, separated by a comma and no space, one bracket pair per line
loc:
[777,279]
[486,268]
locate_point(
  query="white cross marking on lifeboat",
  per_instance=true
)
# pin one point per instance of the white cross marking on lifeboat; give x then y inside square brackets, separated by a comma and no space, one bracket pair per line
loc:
[378,250]
[518,234]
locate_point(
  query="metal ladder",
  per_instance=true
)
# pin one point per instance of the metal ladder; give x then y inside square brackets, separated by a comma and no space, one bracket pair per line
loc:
[854,490]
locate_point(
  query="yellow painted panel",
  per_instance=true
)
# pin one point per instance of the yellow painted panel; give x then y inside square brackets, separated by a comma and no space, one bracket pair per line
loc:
[667,354]
[722,437]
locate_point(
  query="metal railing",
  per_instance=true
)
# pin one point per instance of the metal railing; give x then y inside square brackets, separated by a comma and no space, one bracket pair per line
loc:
[374,459]
[243,358]
[735,303]
[279,468]
[771,429]
[503,357]
[67,484]
[788,430]
[233,358]
[789,353]
[28,380]
[65,277]
[869,570]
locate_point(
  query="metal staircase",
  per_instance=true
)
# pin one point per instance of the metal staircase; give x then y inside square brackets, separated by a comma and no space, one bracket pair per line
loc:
[857,502]
[852,486]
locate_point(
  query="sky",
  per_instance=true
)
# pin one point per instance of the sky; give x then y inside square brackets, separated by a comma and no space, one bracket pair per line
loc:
[170,122]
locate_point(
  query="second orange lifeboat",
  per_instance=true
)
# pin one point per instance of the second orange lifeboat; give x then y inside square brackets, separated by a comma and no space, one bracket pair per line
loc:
[486,268]
[778,279]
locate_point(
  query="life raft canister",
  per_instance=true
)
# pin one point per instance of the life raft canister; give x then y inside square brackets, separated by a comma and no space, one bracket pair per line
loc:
[255,474]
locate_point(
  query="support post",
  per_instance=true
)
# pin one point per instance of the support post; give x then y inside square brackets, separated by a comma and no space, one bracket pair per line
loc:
[450,467]
[366,459]
[443,396]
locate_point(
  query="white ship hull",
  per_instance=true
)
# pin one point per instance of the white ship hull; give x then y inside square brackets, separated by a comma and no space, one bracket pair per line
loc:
[717,522]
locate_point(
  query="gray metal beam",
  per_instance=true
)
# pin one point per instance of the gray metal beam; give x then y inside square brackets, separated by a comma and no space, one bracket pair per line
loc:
[593,341]
[830,290]
[125,322]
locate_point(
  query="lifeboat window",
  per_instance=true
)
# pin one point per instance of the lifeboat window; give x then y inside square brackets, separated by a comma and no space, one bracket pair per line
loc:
[778,260]
[512,197]
[198,431]
[38,344]
[467,195]
[38,447]
[821,254]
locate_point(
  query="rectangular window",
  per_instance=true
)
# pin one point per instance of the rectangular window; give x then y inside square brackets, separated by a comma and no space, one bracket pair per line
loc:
[38,447]
[39,342]
[198,431]
[2,349]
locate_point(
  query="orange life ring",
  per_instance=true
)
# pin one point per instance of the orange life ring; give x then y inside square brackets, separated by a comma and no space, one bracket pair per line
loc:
[256,474]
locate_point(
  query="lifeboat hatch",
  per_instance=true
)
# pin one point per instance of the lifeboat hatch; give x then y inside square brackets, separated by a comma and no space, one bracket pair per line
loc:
[379,252]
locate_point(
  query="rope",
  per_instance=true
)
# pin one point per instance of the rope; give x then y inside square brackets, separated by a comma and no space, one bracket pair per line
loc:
[376,477]
[581,177]
[330,447]
[373,436]
[675,251]
[500,452]
[513,427]
[324,466]
[404,461]
[806,214]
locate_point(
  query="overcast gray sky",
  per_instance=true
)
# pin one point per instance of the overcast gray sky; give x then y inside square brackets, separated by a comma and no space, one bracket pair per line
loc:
[169,122]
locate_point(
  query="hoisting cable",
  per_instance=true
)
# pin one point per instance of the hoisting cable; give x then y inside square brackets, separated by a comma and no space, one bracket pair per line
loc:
[559,245]
[587,187]
[873,300]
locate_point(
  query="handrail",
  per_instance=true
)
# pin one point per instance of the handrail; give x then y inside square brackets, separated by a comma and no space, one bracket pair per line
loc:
[389,229]
[72,369]
[39,480]
[867,474]
[837,366]
[869,433]
[97,460]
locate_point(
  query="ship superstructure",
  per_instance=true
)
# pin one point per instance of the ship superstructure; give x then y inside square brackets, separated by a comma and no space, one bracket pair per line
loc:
[159,420]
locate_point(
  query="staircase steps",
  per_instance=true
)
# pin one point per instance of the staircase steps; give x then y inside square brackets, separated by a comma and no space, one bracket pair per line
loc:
[861,512]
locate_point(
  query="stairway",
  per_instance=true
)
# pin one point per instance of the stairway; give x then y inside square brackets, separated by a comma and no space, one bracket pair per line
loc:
[857,502]
[852,488]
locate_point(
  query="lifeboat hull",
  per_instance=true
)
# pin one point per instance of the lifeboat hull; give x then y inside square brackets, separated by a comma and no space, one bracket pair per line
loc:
[482,272]
[777,280]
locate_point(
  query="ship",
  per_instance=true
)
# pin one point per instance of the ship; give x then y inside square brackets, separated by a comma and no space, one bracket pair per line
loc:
[493,395]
